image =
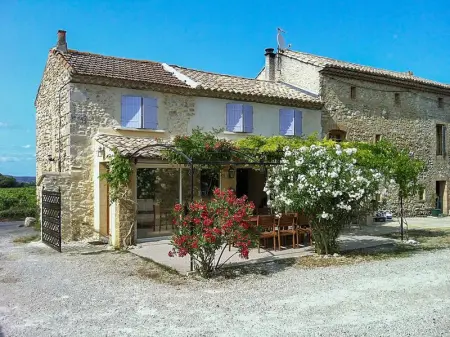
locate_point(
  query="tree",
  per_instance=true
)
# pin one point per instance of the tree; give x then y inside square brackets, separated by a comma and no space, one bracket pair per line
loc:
[325,184]
[7,181]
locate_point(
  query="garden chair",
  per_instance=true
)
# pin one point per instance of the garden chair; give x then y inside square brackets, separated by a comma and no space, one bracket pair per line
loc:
[303,227]
[266,223]
[287,227]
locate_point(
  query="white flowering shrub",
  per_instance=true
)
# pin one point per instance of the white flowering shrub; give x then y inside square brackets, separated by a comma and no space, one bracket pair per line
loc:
[325,184]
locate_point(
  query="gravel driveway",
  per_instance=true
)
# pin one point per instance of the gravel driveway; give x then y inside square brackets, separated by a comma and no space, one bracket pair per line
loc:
[44,293]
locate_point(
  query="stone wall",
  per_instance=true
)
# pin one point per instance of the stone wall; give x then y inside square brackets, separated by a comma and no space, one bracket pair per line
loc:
[52,137]
[411,124]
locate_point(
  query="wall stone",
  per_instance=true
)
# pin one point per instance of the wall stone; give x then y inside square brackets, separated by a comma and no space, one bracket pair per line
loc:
[411,125]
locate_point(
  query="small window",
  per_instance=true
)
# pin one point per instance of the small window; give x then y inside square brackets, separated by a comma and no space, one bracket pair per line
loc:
[377,138]
[209,180]
[290,122]
[440,102]
[440,139]
[421,194]
[397,99]
[139,112]
[239,118]
[337,135]
[353,92]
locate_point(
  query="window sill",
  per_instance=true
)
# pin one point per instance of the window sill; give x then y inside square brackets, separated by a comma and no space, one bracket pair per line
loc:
[138,130]
[237,133]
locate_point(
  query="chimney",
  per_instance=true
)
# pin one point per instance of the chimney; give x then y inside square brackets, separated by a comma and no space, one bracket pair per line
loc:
[62,44]
[270,65]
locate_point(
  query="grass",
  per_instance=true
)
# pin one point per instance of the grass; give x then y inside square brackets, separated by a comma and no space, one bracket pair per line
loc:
[27,238]
[429,239]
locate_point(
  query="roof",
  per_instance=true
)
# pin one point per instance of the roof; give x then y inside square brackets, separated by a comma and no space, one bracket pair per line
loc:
[326,62]
[242,85]
[83,63]
[127,146]
[195,82]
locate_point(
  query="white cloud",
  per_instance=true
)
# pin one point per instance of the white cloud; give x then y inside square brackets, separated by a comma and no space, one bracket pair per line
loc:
[8,159]
[2,125]
[26,146]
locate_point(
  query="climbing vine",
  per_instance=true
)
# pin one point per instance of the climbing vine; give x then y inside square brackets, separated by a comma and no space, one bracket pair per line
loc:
[118,175]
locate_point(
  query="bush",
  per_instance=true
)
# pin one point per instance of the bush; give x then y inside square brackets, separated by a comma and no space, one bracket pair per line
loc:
[211,226]
[327,185]
[17,213]
[16,203]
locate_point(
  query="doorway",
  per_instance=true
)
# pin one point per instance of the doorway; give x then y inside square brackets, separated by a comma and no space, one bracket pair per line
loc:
[441,195]
[242,182]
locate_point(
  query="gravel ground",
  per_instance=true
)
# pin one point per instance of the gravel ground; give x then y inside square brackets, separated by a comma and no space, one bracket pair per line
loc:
[43,293]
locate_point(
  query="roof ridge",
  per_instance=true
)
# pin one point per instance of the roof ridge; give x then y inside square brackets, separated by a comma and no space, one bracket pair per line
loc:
[348,62]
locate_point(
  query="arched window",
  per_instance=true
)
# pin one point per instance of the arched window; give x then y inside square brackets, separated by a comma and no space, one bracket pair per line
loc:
[337,135]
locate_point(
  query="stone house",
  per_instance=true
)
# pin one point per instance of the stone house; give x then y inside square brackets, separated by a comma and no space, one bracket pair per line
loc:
[88,104]
[368,104]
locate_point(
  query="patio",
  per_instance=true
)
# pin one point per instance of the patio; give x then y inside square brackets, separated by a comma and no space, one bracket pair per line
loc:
[157,249]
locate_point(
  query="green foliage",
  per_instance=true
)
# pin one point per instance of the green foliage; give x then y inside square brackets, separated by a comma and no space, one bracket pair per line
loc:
[118,175]
[17,201]
[17,213]
[7,181]
[202,147]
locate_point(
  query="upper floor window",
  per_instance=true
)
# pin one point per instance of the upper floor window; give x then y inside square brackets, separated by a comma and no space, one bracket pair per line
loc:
[440,102]
[397,99]
[139,112]
[290,122]
[337,135]
[440,139]
[353,92]
[239,117]
[377,138]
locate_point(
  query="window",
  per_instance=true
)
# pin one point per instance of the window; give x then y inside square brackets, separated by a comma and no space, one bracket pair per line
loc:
[353,92]
[421,194]
[209,180]
[290,122]
[337,135]
[397,98]
[440,139]
[377,138]
[239,117]
[139,112]
[440,103]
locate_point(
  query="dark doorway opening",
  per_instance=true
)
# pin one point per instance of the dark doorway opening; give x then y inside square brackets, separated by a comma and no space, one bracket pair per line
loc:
[242,182]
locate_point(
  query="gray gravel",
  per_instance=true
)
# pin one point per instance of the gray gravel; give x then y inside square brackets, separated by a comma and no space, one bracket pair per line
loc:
[43,293]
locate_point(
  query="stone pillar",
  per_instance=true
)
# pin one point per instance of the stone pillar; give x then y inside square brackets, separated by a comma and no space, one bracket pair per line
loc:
[125,216]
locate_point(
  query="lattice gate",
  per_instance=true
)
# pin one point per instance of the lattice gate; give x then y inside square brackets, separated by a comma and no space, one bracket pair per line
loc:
[51,219]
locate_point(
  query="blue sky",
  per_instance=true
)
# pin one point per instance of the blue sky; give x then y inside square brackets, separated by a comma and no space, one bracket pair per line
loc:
[219,36]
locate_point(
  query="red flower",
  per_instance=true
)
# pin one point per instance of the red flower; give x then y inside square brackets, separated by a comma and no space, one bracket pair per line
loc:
[171,254]
[178,208]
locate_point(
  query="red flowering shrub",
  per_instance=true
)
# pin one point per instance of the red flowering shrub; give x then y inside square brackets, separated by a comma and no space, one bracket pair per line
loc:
[210,226]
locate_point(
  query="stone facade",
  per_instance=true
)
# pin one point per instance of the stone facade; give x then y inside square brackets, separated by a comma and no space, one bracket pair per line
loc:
[373,112]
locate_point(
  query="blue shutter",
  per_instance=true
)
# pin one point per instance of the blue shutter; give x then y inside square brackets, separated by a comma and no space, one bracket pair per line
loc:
[286,122]
[444,131]
[150,113]
[131,112]
[298,119]
[248,118]
[234,117]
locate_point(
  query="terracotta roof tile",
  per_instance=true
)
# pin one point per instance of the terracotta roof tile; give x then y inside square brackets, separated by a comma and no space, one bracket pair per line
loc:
[209,84]
[326,62]
[114,67]
[245,86]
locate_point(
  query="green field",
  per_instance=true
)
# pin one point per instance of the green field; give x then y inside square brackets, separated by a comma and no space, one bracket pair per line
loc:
[17,203]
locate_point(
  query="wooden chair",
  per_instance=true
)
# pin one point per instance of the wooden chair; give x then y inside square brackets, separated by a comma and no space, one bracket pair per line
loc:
[287,227]
[147,218]
[303,227]
[267,224]
[263,211]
